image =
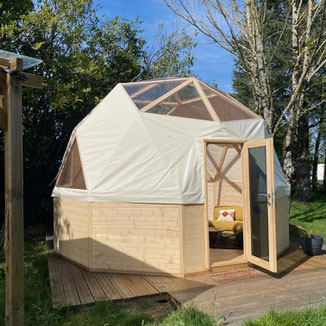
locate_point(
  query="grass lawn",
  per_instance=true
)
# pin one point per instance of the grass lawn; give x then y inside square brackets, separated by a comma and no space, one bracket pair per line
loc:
[311,216]
[306,317]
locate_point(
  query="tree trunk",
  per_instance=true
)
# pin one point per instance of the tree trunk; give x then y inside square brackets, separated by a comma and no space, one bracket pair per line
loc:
[315,162]
[303,168]
[287,158]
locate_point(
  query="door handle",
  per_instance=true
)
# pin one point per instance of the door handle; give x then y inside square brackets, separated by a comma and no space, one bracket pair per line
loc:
[269,198]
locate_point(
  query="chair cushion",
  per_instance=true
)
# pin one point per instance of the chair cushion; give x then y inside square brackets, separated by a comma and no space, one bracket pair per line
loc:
[238,212]
[234,226]
[226,215]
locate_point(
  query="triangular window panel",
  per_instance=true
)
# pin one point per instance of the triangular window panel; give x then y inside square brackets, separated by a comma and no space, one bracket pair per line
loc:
[71,175]
[144,93]
[227,109]
[185,103]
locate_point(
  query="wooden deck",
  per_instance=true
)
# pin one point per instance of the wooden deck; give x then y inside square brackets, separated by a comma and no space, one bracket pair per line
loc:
[300,283]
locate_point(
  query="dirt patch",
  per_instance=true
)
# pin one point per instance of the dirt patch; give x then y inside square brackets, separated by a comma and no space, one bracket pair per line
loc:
[149,306]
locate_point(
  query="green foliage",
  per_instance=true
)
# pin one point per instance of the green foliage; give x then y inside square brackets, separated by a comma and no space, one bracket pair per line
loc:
[311,216]
[306,317]
[175,53]
[189,316]
[84,57]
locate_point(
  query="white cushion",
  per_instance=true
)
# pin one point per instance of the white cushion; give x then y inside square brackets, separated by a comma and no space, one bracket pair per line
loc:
[226,215]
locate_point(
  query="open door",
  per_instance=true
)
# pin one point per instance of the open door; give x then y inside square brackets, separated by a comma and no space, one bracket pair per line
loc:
[259,204]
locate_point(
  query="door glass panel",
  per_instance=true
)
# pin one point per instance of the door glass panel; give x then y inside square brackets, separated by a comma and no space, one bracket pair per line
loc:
[258,202]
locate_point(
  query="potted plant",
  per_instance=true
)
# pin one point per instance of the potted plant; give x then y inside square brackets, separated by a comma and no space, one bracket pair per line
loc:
[311,244]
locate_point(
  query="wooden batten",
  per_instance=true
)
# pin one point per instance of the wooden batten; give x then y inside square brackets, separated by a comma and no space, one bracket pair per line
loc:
[206,101]
[166,95]
[219,168]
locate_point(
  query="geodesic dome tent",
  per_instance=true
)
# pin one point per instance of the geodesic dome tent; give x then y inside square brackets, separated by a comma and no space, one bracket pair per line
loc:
[137,158]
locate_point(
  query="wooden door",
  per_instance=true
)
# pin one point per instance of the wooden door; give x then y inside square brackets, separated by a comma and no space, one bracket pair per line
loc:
[259,204]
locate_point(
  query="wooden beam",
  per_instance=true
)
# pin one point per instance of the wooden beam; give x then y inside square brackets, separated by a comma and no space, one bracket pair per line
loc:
[219,169]
[4,63]
[210,175]
[177,98]
[31,80]
[237,149]
[205,215]
[166,95]
[14,204]
[158,81]
[170,113]
[16,65]
[198,99]
[149,101]
[206,101]
[143,90]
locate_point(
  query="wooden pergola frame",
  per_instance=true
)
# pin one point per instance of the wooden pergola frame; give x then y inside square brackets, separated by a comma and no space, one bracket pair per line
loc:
[12,78]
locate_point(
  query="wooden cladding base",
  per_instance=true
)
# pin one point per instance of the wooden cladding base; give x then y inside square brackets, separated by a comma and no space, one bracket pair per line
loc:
[154,239]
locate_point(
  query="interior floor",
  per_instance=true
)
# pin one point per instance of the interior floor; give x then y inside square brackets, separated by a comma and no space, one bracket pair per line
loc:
[225,250]
[222,257]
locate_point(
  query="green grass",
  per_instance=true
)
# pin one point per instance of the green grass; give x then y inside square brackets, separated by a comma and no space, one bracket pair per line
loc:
[189,316]
[311,216]
[306,317]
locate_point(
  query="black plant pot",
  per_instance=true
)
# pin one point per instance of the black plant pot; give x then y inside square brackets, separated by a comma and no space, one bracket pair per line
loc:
[312,244]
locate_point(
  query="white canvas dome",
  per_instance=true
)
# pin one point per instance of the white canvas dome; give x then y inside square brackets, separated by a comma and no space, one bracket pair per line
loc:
[144,143]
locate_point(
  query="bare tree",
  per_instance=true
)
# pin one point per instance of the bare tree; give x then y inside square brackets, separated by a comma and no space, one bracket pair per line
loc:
[240,28]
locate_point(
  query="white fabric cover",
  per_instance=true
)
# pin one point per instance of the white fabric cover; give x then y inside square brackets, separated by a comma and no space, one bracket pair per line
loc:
[132,156]
[229,217]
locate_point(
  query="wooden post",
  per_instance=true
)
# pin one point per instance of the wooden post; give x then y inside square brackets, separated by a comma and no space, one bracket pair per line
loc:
[14,200]
[11,123]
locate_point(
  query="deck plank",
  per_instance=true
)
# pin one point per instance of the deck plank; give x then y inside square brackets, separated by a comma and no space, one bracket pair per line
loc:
[84,293]
[71,294]
[120,286]
[93,285]
[58,293]
[148,288]
[252,298]
[134,287]
[109,290]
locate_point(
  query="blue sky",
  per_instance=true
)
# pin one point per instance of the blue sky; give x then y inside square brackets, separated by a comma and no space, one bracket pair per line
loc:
[212,64]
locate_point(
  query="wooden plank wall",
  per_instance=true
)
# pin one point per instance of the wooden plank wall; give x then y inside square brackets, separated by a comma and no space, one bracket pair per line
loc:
[282,223]
[194,246]
[136,238]
[71,229]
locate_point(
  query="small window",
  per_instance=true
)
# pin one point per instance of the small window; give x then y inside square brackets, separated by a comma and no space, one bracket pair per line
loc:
[71,175]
